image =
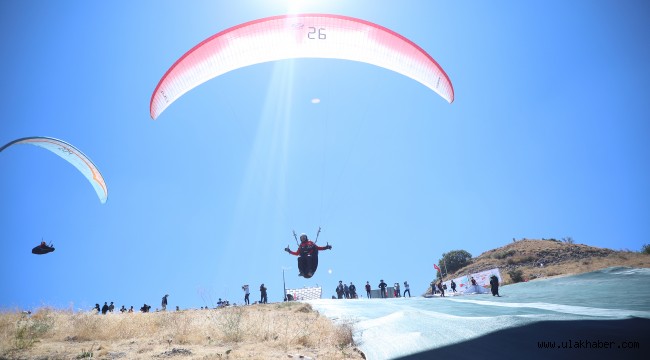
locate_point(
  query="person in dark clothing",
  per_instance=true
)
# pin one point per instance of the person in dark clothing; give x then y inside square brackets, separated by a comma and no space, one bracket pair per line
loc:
[43,248]
[111,307]
[145,308]
[382,288]
[105,308]
[164,302]
[340,290]
[263,299]
[368,288]
[453,286]
[494,285]
[353,291]
[308,256]
[441,289]
[97,308]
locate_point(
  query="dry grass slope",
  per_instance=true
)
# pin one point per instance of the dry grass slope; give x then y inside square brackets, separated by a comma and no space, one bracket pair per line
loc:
[270,331]
[546,258]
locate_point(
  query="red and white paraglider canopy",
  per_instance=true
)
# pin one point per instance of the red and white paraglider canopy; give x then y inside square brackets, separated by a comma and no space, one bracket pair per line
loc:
[298,36]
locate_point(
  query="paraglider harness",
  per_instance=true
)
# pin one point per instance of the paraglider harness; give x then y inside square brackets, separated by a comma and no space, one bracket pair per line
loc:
[42,248]
[307,250]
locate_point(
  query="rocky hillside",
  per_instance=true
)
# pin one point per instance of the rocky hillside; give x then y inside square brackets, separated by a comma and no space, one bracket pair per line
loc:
[544,258]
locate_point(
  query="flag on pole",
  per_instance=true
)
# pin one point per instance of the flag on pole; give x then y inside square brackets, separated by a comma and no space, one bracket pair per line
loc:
[436,267]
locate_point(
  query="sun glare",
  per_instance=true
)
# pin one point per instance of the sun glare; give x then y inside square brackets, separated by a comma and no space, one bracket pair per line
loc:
[295,6]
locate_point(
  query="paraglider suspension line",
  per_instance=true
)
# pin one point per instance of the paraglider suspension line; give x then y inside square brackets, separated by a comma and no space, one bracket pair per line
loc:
[317,233]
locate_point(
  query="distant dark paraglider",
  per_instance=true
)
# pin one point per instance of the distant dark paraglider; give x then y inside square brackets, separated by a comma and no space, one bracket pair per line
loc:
[72,155]
[284,37]
[42,249]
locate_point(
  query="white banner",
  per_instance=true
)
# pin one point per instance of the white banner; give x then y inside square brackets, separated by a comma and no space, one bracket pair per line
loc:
[464,284]
[306,293]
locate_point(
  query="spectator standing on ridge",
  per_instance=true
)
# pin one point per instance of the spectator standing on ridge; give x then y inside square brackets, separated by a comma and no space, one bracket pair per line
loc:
[406,288]
[97,308]
[111,307]
[368,288]
[164,302]
[246,294]
[353,291]
[396,290]
[263,299]
[382,288]
[494,285]
[346,291]
[340,290]
[105,308]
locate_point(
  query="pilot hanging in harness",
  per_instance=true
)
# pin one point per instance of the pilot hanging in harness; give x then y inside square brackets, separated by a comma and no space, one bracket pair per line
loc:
[308,252]
[42,249]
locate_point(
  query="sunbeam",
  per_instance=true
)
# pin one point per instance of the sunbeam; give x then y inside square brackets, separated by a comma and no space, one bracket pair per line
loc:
[264,186]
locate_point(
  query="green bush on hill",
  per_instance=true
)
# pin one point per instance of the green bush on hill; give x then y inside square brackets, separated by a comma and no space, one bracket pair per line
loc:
[516,275]
[454,261]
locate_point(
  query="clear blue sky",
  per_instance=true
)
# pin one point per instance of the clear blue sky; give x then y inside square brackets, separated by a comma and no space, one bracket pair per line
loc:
[548,137]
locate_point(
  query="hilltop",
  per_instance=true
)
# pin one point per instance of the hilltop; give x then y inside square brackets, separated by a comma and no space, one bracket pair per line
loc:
[550,257]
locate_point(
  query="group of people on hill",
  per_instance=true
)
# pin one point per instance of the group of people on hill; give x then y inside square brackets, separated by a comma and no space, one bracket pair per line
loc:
[264,298]
[437,287]
[144,308]
[109,308]
[263,294]
[106,308]
[344,291]
[396,289]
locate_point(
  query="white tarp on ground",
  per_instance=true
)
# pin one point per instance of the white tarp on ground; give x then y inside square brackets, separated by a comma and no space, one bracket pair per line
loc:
[463,327]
